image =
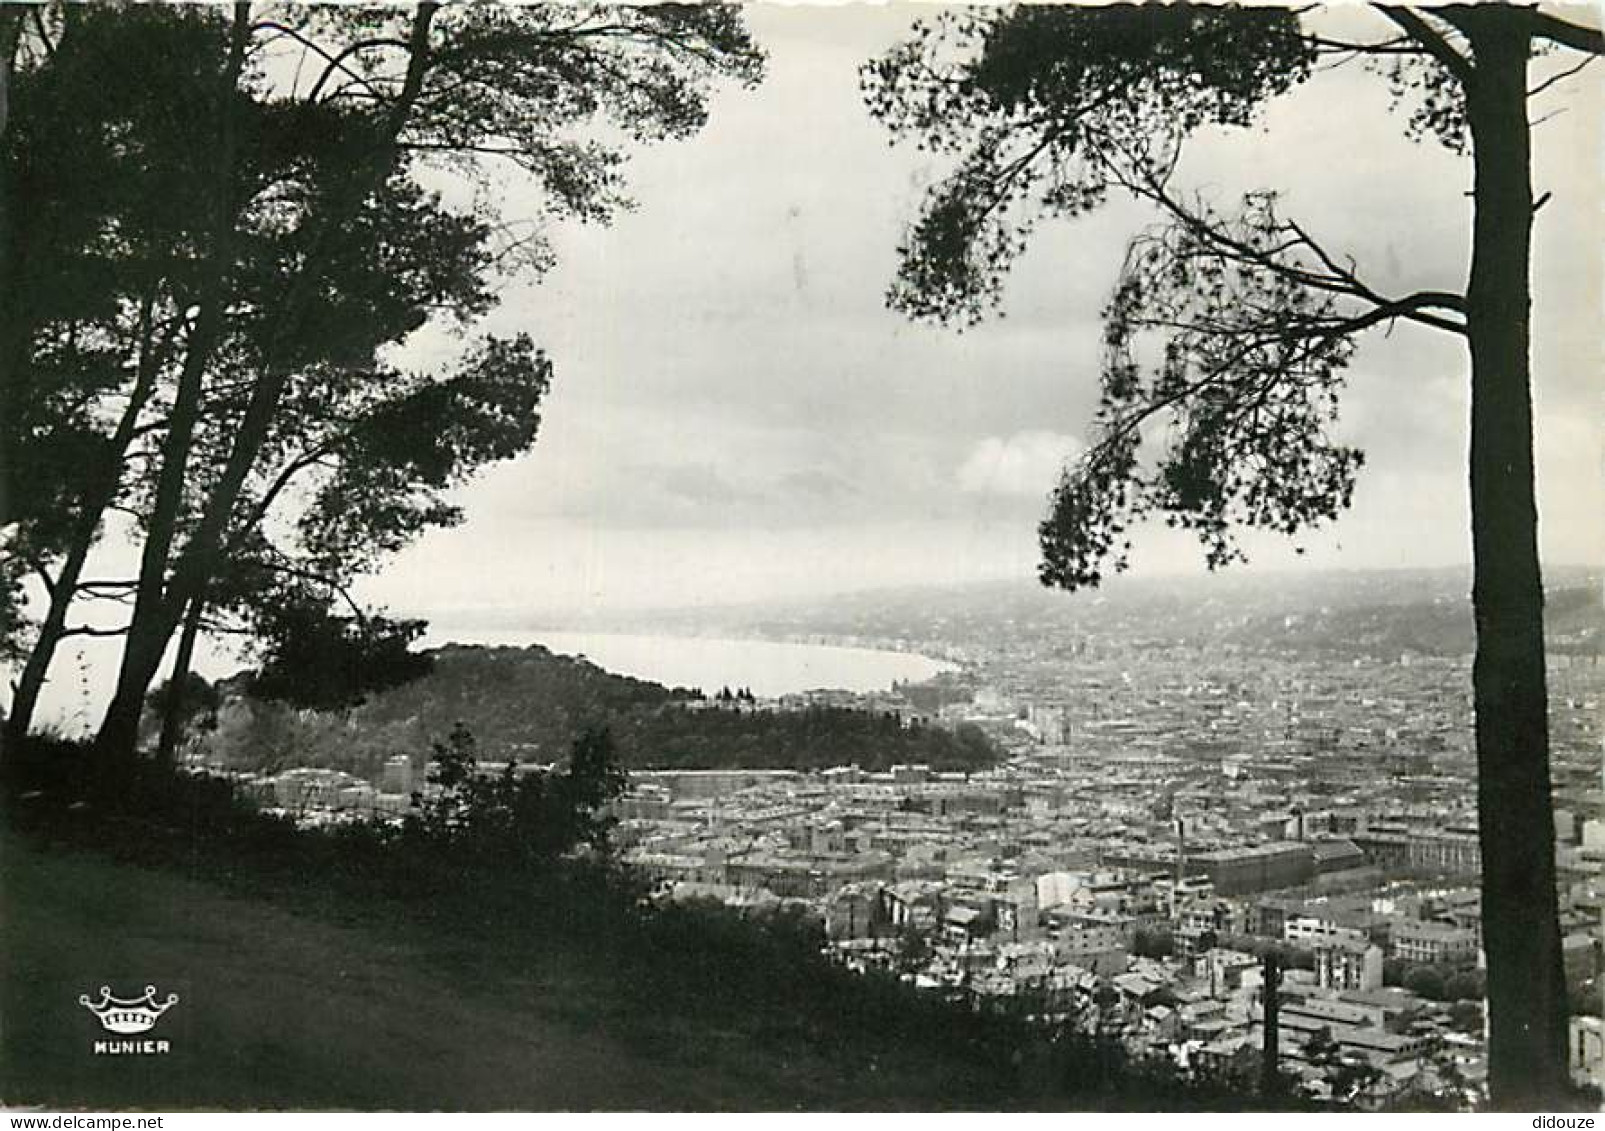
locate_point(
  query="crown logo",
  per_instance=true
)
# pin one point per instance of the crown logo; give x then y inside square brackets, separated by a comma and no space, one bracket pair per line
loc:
[127,1015]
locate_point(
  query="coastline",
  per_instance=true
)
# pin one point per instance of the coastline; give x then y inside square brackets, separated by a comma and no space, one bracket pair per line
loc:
[769,667]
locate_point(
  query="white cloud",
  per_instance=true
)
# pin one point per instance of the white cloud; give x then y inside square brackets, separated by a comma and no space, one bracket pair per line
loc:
[1026,463]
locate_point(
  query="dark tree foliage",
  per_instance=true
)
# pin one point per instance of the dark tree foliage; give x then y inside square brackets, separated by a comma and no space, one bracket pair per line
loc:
[390,460]
[816,738]
[193,701]
[1227,335]
[122,271]
[231,224]
[1036,104]
[1348,1075]
[530,700]
[79,278]
[508,817]
[913,950]
[1425,981]
[14,623]
[522,700]
[1250,382]
[1146,943]
[1466,1015]
[314,657]
[529,704]
[1229,329]
[1465,985]
[95,238]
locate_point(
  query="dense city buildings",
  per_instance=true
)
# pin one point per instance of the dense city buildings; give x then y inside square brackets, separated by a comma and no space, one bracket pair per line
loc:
[1163,813]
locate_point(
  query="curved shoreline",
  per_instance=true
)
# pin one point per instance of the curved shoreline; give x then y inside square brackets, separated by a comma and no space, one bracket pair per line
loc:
[770,668]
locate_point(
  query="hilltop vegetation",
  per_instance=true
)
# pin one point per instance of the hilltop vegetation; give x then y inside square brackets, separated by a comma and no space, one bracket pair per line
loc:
[531,705]
[817,738]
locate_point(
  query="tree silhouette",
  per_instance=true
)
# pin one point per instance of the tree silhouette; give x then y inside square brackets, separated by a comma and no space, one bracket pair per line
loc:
[506,818]
[188,704]
[1047,111]
[320,659]
[350,426]
[1146,943]
[1425,981]
[82,334]
[270,236]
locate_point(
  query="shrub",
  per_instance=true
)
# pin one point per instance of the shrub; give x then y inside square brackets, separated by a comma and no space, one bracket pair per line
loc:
[1465,986]
[499,851]
[1146,943]
[517,818]
[1425,981]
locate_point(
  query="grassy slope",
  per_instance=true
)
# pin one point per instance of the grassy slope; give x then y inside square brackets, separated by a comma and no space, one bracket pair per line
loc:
[284,1009]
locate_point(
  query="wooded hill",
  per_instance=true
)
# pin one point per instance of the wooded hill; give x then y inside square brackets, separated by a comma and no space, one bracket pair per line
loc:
[529,704]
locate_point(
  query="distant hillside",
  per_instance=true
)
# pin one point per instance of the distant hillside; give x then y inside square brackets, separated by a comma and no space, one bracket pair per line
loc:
[528,699]
[1344,613]
[1574,624]
[817,738]
[530,704]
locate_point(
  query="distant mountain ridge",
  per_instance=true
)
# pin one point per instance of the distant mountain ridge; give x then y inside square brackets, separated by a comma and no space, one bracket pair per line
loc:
[1383,612]
[1272,590]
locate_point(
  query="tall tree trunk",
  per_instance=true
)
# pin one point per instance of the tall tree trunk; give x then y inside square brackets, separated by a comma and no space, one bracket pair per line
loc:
[156,609]
[173,709]
[31,682]
[1521,936]
[1270,1073]
[148,637]
[82,538]
[155,615]
[118,737]
[10,28]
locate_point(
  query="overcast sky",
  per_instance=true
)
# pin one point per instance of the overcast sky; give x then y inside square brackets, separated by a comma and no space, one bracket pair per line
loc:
[736,415]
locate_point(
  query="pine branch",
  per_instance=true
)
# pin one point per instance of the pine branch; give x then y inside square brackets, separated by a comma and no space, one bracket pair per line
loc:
[1432,41]
[1337,278]
[1575,36]
[91,630]
[1561,77]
